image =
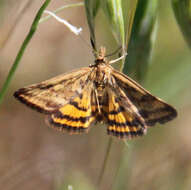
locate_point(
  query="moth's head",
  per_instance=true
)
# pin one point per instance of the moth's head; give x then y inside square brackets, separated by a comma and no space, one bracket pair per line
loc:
[101,53]
[100,56]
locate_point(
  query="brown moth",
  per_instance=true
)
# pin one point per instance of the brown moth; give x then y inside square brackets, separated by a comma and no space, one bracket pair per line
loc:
[100,93]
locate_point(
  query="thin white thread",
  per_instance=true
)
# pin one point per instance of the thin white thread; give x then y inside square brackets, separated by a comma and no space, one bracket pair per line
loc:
[72,28]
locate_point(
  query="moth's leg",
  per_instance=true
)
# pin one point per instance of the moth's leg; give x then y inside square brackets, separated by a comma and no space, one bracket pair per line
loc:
[97,101]
[118,59]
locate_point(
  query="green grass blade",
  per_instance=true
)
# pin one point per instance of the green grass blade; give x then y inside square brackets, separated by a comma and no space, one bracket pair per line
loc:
[114,13]
[129,10]
[92,7]
[182,11]
[141,41]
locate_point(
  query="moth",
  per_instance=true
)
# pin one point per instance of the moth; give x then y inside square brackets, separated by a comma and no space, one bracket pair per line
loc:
[98,93]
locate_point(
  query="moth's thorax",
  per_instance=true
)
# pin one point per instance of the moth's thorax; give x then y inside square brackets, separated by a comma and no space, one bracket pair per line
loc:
[101,72]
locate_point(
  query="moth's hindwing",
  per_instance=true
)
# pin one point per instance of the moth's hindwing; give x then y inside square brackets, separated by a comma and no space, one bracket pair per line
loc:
[50,95]
[77,115]
[151,108]
[122,120]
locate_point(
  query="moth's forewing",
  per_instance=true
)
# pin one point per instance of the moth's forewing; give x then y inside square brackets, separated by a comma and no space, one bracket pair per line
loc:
[54,93]
[151,108]
[76,116]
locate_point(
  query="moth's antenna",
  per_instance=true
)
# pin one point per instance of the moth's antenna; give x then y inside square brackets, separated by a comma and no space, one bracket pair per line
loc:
[87,43]
[113,53]
[93,43]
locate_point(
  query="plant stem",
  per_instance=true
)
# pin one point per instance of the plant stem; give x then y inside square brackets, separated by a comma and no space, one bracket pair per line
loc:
[105,161]
[22,49]
[60,9]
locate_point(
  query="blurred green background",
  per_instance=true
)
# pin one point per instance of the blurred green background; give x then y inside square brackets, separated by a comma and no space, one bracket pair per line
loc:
[33,156]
